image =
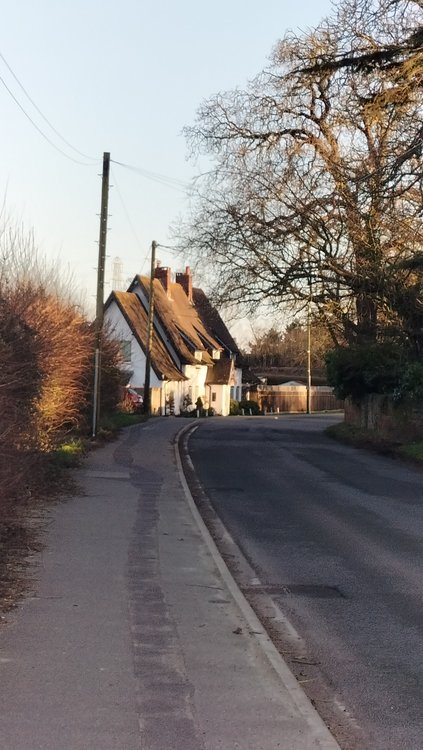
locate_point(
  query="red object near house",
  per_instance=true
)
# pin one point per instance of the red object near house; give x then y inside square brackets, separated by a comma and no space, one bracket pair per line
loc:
[133,398]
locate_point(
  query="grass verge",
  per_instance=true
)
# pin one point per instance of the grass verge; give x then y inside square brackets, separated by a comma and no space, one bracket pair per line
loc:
[111,425]
[412,451]
[360,438]
[114,422]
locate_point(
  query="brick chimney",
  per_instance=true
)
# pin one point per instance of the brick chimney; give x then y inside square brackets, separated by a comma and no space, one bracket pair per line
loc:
[164,274]
[185,280]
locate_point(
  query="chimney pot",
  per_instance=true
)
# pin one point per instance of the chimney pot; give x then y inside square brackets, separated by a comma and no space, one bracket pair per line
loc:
[164,274]
[185,280]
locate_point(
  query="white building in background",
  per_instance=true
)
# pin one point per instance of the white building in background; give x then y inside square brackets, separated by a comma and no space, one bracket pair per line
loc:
[193,354]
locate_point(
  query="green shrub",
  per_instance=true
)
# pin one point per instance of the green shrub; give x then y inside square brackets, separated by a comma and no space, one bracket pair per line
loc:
[411,382]
[357,370]
[249,406]
[234,409]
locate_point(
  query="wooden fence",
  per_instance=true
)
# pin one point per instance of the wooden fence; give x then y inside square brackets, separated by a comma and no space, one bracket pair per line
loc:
[293,398]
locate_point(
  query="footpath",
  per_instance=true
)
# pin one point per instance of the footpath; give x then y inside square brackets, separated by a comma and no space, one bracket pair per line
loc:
[133,636]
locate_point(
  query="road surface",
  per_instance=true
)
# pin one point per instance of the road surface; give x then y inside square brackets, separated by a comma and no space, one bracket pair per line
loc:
[334,537]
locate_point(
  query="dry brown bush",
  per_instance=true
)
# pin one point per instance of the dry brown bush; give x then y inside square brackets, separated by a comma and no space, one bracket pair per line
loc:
[20,382]
[64,356]
[47,356]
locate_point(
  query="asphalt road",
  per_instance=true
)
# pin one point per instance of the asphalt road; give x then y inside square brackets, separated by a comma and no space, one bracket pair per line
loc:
[335,535]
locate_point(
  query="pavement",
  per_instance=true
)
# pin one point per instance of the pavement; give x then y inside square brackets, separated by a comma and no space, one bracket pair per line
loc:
[135,635]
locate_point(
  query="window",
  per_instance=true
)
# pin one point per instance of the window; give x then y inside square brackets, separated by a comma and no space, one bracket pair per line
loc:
[125,351]
[213,395]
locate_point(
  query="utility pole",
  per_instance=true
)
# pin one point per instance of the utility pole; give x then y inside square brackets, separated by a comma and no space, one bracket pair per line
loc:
[100,289]
[150,327]
[309,354]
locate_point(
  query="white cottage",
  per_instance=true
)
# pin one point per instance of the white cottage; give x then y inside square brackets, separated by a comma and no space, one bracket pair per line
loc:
[193,354]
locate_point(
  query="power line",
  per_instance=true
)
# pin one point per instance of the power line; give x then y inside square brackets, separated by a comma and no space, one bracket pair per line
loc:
[173,249]
[170,182]
[91,158]
[174,180]
[39,129]
[128,218]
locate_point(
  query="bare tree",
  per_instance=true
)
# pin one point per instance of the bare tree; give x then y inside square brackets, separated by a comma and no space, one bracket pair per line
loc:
[316,188]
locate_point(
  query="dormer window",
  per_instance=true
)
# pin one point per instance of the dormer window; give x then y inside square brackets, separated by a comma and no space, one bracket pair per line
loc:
[198,354]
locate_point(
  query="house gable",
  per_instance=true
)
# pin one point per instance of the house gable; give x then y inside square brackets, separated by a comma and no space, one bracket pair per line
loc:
[135,315]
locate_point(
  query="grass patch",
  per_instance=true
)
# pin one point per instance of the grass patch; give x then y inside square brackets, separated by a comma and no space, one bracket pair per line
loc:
[360,438]
[69,454]
[113,422]
[413,451]
[352,435]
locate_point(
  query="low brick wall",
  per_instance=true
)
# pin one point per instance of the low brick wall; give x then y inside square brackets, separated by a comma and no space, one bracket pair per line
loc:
[379,413]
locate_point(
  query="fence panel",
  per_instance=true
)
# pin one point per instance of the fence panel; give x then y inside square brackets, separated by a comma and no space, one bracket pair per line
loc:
[293,398]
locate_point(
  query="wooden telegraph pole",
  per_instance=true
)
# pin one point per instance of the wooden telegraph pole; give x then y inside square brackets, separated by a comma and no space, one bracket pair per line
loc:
[100,289]
[308,357]
[150,327]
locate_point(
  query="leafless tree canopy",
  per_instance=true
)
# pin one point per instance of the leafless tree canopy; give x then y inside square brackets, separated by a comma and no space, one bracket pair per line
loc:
[316,183]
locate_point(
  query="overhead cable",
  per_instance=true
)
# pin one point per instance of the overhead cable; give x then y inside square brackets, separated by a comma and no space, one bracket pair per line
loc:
[41,132]
[128,218]
[59,135]
[170,182]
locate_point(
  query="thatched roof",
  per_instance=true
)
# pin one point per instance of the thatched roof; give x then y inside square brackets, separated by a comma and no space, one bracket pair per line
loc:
[137,318]
[193,329]
[181,321]
[220,373]
[213,322]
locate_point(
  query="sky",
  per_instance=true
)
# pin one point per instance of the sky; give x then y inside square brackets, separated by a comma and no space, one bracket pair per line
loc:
[123,77]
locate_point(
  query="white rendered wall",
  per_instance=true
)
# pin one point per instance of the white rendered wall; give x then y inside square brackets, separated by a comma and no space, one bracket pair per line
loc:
[121,330]
[177,388]
[196,383]
[221,403]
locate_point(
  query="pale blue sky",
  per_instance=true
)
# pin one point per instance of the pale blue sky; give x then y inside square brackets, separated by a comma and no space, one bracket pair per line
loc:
[123,77]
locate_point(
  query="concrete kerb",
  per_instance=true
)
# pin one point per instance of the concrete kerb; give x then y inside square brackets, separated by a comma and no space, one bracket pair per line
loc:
[324,739]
